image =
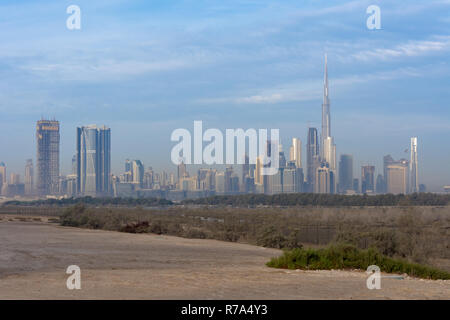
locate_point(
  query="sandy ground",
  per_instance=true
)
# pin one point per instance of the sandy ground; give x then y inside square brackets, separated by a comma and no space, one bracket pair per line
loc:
[34,257]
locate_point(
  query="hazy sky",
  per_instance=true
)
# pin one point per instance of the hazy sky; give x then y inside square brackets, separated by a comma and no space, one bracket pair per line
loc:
[145,68]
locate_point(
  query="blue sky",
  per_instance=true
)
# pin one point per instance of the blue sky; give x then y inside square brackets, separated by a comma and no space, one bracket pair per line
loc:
[145,68]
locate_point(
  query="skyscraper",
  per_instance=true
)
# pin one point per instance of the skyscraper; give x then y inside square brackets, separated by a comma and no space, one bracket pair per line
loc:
[181,171]
[127,165]
[47,137]
[380,185]
[312,158]
[93,160]
[397,177]
[137,172]
[345,173]
[258,168]
[325,179]
[326,123]
[2,175]
[29,174]
[387,160]
[74,164]
[245,169]
[413,171]
[367,179]
[328,150]
[296,152]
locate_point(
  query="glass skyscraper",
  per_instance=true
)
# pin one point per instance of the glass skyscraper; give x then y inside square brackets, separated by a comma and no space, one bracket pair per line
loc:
[47,164]
[312,157]
[345,173]
[93,160]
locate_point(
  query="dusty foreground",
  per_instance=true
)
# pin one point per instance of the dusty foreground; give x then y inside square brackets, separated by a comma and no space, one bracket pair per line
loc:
[34,257]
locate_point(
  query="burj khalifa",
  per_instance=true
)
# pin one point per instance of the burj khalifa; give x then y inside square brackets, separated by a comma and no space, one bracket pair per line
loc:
[328,147]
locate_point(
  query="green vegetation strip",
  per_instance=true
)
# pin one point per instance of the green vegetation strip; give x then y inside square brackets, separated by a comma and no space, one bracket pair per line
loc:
[325,200]
[349,257]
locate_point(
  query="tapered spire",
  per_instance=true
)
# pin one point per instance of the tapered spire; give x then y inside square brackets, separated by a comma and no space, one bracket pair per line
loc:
[325,82]
[326,125]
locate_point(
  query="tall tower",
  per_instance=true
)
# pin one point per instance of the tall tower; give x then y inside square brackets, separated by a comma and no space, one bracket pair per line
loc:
[29,177]
[47,138]
[296,152]
[312,157]
[345,173]
[328,148]
[413,172]
[367,179]
[138,172]
[93,160]
[326,125]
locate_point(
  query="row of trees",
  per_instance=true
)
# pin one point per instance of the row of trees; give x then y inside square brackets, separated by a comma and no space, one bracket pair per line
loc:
[326,200]
[145,202]
[292,199]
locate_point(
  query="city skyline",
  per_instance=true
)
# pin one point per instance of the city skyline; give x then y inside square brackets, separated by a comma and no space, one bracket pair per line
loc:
[123,68]
[91,168]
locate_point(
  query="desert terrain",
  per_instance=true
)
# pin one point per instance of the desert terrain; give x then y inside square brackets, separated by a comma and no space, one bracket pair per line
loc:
[34,255]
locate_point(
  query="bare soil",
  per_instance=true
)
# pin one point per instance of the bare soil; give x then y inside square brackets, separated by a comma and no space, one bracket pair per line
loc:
[34,256]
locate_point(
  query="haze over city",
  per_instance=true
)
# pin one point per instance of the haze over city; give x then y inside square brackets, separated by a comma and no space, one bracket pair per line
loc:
[144,73]
[225,159]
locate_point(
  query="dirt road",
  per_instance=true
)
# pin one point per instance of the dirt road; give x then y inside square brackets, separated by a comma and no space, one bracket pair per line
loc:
[34,257]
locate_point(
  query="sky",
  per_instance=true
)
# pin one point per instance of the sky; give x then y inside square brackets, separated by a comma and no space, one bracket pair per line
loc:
[145,68]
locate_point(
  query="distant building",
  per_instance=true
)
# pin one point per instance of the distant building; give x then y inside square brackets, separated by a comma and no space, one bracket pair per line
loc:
[71,185]
[345,173]
[137,173]
[380,185]
[94,161]
[295,153]
[128,165]
[312,158]
[328,147]
[258,168]
[188,184]
[13,189]
[367,179]
[413,167]
[387,160]
[292,179]
[2,176]
[275,182]
[29,177]
[325,179]
[245,172]
[14,178]
[47,167]
[356,185]
[181,171]
[220,183]
[74,164]
[206,179]
[397,177]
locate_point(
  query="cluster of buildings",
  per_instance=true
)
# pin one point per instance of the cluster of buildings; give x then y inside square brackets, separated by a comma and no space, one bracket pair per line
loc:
[91,170]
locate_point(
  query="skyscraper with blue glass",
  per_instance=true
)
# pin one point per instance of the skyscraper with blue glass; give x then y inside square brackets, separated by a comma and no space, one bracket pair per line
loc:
[93,160]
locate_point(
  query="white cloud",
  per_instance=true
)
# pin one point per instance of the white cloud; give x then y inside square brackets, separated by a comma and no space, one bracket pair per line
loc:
[309,89]
[409,49]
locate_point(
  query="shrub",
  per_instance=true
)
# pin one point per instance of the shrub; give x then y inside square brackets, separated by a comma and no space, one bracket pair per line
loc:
[349,257]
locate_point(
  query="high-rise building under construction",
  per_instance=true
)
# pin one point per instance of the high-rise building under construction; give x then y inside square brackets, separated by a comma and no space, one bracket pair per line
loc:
[47,164]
